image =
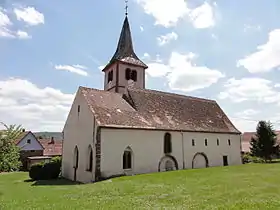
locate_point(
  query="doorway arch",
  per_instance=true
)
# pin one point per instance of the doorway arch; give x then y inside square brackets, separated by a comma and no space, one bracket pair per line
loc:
[167,163]
[76,162]
[200,160]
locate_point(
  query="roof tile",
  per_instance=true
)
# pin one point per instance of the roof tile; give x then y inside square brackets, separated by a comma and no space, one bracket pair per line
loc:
[150,109]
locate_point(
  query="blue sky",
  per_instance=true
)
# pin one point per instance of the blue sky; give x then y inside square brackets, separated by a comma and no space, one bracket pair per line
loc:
[224,50]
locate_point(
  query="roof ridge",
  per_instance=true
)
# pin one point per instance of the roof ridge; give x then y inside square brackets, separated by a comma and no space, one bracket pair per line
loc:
[172,94]
[97,90]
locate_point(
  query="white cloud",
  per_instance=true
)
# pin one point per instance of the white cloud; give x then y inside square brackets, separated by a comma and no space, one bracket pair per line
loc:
[277,85]
[250,89]
[5,22]
[202,16]
[29,15]
[183,75]
[5,31]
[101,67]
[267,56]
[214,36]
[38,109]
[246,120]
[77,69]
[168,12]
[141,28]
[146,56]
[164,39]
[247,113]
[23,35]
[244,125]
[248,27]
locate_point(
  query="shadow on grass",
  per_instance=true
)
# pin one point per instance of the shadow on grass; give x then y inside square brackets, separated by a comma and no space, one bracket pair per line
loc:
[274,161]
[53,182]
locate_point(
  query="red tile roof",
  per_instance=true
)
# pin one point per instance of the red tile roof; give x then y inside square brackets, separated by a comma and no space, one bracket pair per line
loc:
[246,139]
[150,109]
[51,149]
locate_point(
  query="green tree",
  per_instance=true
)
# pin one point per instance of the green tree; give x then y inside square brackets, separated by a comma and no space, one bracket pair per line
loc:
[263,143]
[9,152]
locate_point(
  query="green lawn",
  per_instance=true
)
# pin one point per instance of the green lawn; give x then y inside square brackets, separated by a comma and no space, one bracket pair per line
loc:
[253,186]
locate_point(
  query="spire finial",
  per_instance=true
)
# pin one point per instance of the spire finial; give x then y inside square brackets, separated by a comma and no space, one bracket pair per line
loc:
[126,7]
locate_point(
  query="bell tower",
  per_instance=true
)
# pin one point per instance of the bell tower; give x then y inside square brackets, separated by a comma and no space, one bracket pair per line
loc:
[125,68]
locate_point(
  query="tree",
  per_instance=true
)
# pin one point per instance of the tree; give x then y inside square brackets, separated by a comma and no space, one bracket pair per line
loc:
[263,144]
[9,152]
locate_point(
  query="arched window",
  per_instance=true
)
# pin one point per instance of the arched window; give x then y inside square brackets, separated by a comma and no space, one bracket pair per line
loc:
[127,158]
[89,158]
[128,74]
[76,158]
[205,142]
[134,75]
[218,142]
[167,143]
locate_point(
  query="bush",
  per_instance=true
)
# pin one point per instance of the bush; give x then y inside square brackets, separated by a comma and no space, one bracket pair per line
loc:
[57,159]
[257,159]
[51,170]
[45,171]
[36,171]
[246,158]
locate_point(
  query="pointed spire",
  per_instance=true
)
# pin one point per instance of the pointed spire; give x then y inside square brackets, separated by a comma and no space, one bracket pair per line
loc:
[125,51]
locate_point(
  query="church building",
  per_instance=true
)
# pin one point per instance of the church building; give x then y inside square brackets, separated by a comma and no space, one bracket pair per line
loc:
[127,129]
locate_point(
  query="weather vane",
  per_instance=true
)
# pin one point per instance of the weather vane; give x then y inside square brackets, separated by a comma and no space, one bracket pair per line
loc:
[126,7]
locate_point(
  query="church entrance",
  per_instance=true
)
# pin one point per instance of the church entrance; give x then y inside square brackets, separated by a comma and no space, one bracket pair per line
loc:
[200,160]
[168,163]
[76,162]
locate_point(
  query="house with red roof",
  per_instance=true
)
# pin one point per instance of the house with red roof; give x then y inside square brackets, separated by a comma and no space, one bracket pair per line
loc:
[32,148]
[246,139]
[29,146]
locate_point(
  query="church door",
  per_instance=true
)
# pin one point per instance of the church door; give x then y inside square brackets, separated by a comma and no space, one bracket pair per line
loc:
[200,161]
[167,164]
[76,162]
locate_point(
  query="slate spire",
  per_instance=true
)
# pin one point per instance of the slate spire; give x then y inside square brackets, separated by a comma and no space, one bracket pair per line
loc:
[125,51]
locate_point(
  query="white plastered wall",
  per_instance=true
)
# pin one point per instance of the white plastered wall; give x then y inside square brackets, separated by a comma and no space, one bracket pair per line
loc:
[147,147]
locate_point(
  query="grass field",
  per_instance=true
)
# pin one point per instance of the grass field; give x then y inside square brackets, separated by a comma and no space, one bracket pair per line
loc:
[253,186]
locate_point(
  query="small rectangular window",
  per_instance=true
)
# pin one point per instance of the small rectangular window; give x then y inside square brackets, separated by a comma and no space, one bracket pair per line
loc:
[28,141]
[79,108]
[193,142]
[205,142]
[32,151]
[229,142]
[218,142]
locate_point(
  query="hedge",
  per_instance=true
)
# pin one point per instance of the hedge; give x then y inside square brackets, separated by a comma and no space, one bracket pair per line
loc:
[45,171]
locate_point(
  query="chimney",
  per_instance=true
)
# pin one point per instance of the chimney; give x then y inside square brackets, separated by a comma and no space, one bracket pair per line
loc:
[52,140]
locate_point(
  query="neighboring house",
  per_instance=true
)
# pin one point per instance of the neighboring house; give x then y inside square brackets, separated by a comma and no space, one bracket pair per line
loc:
[29,146]
[246,139]
[52,148]
[127,129]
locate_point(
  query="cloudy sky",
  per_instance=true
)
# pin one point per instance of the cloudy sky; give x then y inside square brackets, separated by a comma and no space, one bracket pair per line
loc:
[224,50]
